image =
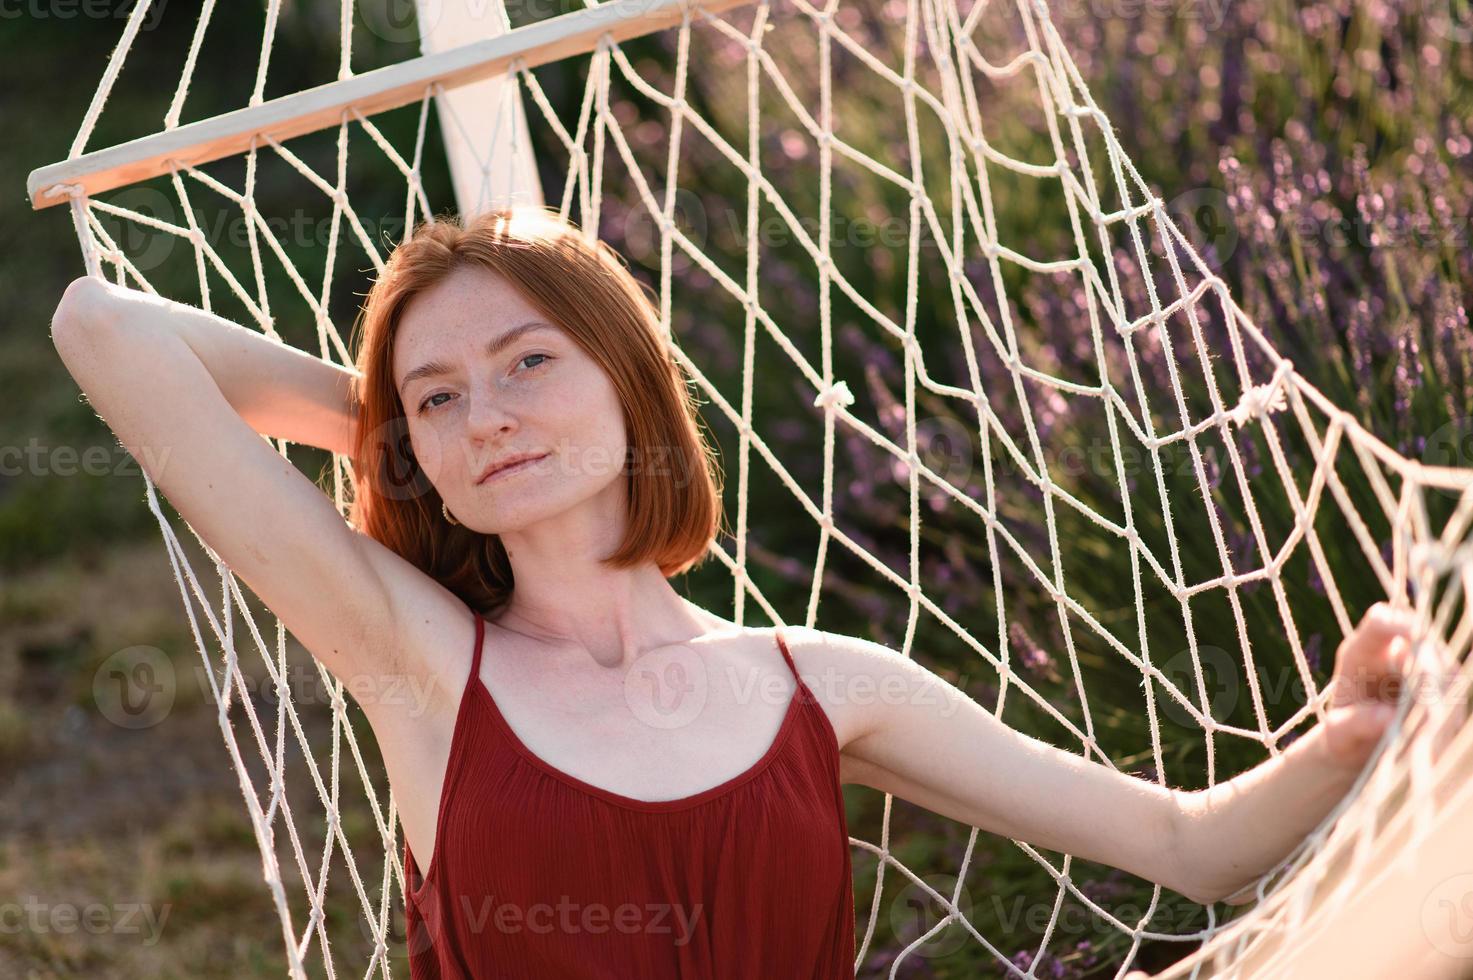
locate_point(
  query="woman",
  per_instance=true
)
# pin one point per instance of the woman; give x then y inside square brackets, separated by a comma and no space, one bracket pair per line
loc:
[606,779]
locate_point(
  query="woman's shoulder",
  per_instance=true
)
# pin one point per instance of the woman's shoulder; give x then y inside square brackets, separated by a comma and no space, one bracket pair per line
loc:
[841,671]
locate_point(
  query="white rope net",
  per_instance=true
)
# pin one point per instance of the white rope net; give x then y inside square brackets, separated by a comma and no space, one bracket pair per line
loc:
[1180,379]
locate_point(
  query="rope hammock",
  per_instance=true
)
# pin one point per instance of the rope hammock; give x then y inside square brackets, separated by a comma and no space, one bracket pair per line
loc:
[1181,382]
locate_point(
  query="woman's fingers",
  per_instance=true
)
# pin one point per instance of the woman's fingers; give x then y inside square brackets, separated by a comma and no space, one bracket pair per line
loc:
[1370,662]
[1448,704]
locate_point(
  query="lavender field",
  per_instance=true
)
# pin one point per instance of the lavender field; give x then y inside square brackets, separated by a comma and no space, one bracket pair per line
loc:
[1320,157]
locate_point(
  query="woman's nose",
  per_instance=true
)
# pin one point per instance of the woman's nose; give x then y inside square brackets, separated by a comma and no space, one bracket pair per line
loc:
[487,416]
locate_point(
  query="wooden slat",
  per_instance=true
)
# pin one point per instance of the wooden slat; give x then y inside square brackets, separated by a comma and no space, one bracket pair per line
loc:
[483,124]
[372,92]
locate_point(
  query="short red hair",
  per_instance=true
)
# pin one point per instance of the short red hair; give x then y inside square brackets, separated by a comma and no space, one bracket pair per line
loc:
[586,289]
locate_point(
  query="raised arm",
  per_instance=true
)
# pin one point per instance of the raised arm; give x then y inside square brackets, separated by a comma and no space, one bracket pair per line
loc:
[167,379]
[275,388]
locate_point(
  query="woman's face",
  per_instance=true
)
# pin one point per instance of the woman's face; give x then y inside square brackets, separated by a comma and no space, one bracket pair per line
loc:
[485,378]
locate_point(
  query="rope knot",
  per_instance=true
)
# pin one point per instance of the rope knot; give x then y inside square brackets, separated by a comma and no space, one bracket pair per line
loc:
[1260,400]
[70,190]
[837,393]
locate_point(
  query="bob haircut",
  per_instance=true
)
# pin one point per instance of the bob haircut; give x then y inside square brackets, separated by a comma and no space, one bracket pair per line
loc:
[586,289]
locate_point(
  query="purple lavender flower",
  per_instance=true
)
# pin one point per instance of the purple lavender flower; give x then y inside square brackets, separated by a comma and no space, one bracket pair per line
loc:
[1312,651]
[1408,371]
[1358,335]
[1248,453]
[1212,468]
[1036,661]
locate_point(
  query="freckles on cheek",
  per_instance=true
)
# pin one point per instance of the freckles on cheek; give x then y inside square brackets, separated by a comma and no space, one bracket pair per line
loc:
[433,453]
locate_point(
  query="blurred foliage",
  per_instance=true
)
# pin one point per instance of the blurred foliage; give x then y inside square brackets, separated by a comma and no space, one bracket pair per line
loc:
[1318,154]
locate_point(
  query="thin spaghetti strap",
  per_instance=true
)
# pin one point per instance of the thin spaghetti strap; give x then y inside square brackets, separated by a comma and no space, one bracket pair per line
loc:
[783,646]
[801,694]
[480,638]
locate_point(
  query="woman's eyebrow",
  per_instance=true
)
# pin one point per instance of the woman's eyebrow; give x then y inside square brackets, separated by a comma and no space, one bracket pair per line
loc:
[496,345]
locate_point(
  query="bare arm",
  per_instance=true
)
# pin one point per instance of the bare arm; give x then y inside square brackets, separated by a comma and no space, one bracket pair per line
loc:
[925,741]
[930,744]
[278,390]
[1237,831]
[341,593]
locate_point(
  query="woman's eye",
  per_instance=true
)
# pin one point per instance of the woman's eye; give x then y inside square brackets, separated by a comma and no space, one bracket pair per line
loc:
[430,403]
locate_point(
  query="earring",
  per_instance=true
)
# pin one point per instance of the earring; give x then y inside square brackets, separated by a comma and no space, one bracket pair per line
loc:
[446,511]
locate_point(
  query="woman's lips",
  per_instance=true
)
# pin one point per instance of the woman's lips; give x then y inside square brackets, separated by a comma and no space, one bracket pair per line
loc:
[513,468]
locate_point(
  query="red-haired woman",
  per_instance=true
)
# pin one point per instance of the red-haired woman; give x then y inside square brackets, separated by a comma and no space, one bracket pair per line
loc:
[596,776]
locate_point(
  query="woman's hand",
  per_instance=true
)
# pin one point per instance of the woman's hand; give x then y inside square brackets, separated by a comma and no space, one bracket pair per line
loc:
[1370,665]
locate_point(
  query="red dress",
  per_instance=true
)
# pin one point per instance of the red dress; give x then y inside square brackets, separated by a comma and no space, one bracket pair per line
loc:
[537,874]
